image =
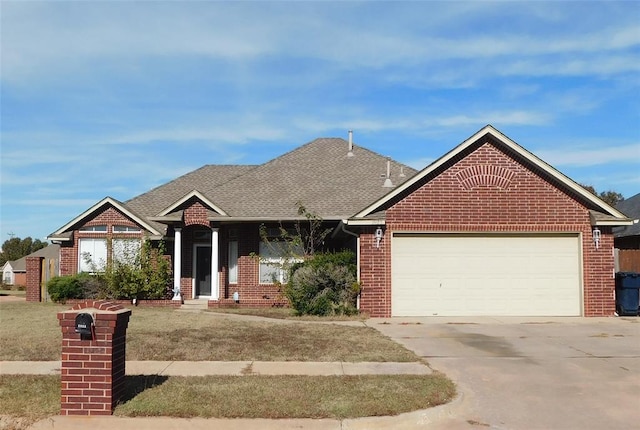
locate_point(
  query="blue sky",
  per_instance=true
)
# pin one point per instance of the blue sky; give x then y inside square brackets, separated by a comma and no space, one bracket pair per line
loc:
[113,98]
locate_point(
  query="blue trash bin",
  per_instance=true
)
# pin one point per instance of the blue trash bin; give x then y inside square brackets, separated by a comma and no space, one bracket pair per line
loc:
[627,293]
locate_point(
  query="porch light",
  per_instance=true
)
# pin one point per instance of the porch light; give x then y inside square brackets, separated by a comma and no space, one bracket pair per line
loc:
[596,237]
[378,236]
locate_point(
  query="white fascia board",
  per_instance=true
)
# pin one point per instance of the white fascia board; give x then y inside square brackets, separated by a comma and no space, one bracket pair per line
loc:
[199,196]
[613,223]
[106,201]
[363,222]
[55,239]
[489,129]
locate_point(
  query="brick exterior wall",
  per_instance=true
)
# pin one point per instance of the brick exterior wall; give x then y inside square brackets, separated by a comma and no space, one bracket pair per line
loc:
[93,370]
[487,190]
[34,275]
[108,216]
[140,303]
[195,214]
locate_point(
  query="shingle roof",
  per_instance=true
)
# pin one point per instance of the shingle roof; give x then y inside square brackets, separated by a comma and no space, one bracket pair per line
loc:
[318,174]
[205,179]
[50,251]
[631,208]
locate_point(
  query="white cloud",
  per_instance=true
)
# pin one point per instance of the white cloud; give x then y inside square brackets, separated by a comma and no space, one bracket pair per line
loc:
[45,38]
[582,156]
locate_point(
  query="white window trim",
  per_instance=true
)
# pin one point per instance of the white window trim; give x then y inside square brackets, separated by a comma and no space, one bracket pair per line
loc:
[136,230]
[100,264]
[277,263]
[92,229]
[233,259]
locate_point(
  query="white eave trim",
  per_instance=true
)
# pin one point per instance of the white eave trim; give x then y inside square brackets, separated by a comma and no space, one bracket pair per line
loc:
[614,223]
[106,201]
[363,222]
[489,129]
[199,196]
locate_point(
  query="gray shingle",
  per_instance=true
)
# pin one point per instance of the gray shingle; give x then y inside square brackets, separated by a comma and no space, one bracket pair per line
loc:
[631,208]
[318,174]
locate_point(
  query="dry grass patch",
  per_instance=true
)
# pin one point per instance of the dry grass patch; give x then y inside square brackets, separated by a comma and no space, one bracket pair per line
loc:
[279,397]
[26,399]
[30,331]
[31,398]
[287,313]
[211,337]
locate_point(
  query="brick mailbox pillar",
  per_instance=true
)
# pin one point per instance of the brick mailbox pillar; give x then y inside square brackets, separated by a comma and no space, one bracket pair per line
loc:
[34,277]
[93,362]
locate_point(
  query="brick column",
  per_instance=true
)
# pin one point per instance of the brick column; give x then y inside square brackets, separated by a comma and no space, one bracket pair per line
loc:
[34,274]
[93,370]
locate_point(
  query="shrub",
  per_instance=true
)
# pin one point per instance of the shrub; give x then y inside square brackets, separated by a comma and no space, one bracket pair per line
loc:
[61,288]
[140,273]
[324,285]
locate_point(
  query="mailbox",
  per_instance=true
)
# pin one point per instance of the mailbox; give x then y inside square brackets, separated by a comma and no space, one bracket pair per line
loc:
[84,325]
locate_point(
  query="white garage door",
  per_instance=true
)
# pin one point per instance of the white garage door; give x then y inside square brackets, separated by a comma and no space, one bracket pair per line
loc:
[459,275]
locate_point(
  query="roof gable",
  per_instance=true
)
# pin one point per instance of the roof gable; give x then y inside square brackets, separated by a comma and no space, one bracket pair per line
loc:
[192,195]
[62,232]
[471,177]
[206,180]
[320,175]
[631,208]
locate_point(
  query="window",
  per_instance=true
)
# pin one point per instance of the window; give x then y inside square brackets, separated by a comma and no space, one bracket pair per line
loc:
[202,235]
[125,229]
[94,229]
[273,264]
[92,255]
[233,262]
[125,251]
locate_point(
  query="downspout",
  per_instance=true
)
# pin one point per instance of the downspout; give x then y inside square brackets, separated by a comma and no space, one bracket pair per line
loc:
[357,236]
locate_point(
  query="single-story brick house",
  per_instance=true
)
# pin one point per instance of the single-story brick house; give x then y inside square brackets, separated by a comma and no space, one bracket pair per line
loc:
[487,229]
[15,272]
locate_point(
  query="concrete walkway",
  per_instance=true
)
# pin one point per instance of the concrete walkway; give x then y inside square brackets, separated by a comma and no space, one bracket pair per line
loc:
[238,368]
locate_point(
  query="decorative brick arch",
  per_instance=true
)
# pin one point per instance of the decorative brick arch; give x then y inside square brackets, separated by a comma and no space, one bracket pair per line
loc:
[485,175]
[196,214]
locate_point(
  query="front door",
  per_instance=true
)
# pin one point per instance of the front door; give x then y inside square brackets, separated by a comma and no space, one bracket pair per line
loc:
[203,271]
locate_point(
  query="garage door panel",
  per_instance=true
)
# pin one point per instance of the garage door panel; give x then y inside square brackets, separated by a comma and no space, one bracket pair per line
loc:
[486,275]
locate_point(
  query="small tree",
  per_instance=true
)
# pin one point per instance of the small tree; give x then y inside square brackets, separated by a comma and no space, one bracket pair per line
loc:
[297,244]
[16,248]
[611,197]
[135,272]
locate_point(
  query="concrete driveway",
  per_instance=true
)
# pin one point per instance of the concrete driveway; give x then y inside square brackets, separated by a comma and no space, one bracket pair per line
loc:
[531,373]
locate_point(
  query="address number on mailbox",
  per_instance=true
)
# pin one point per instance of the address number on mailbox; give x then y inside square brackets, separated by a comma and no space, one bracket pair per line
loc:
[84,324]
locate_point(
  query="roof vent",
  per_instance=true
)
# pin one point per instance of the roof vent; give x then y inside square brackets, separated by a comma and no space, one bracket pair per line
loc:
[402,175]
[387,182]
[350,153]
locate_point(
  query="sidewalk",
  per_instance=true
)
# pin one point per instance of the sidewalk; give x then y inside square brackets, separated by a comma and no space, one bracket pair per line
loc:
[237,368]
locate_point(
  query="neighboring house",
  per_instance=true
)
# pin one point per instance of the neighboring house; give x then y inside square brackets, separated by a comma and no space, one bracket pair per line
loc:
[628,237]
[487,229]
[15,272]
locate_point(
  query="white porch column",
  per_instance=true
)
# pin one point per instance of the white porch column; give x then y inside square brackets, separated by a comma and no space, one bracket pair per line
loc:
[215,283]
[177,264]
